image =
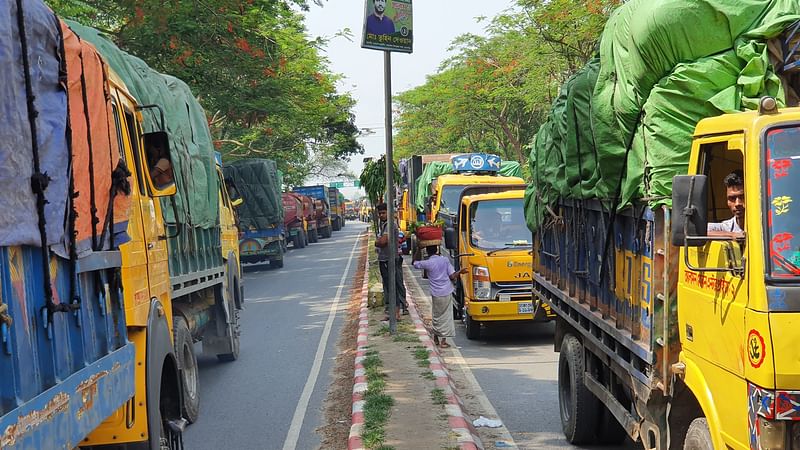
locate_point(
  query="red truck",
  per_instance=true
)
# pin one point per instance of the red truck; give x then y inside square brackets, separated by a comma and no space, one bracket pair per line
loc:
[299,221]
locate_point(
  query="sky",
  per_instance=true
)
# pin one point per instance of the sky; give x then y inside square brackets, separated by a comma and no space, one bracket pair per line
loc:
[436,24]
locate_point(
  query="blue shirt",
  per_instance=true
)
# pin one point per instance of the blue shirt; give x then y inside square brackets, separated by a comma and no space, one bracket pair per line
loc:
[379,26]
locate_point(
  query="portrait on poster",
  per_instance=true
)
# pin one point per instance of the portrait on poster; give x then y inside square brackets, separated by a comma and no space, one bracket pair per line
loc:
[387,25]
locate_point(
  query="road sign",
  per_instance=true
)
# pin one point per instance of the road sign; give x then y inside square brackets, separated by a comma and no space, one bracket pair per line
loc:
[341,184]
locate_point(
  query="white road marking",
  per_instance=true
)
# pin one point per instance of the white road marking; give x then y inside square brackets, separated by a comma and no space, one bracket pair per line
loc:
[302,405]
[458,360]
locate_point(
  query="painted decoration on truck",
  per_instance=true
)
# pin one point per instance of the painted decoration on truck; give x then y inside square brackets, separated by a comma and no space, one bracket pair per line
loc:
[755,349]
[787,405]
[783,219]
[476,162]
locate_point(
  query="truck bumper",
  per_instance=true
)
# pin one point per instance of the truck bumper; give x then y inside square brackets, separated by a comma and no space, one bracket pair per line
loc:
[495,311]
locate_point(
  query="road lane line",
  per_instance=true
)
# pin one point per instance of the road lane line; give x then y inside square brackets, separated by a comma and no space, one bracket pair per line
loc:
[302,405]
[458,360]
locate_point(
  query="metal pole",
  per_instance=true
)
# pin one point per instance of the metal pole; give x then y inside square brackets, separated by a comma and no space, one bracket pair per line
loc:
[391,228]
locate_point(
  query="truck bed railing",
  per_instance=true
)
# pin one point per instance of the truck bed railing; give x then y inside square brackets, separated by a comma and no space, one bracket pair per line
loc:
[791,47]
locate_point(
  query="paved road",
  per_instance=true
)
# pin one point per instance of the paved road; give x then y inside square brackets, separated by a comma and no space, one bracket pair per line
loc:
[254,402]
[517,369]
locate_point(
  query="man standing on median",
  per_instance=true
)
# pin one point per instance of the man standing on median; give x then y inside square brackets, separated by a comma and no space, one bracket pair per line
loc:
[441,275]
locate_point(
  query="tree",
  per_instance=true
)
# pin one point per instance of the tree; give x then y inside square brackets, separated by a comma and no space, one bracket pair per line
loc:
[250,64]
[496,90]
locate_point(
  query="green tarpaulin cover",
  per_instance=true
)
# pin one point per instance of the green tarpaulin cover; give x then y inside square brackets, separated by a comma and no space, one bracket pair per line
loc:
[621,127]
[191,146]
[436,168]
[259,183]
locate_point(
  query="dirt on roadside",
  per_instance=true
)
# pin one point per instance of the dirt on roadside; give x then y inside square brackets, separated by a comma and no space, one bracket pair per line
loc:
[339,401]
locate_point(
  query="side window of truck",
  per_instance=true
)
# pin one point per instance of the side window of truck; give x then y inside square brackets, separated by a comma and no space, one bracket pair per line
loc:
[120,141]
[717,160]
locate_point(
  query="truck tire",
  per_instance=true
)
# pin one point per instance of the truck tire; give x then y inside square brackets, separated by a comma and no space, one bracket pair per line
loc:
[187,363]
[698,437]
[233,333]
[297,241]
[577,404]
[305,238]
[473,327]
[326,232]
[313,237]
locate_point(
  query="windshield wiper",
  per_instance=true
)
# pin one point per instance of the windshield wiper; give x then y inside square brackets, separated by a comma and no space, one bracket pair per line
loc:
[508,247]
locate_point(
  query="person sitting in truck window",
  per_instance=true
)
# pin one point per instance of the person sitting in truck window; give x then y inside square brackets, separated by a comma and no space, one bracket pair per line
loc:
[160,166]
[734,190]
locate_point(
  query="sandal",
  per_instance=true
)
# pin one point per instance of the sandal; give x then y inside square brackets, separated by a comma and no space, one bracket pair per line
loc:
[444,345]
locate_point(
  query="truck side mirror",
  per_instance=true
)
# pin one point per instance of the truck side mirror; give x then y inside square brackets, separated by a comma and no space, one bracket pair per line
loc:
[689,210]
[450,238]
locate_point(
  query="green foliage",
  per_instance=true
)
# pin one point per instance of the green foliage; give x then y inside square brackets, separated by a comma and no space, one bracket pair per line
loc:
[438,397]
[496,91]
[373,179]
[250,63]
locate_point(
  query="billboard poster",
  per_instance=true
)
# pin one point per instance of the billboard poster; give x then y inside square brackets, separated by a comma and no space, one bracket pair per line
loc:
[387,25]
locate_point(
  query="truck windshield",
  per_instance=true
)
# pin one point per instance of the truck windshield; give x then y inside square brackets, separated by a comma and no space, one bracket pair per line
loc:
[782,155]
[498,224]
[450,197]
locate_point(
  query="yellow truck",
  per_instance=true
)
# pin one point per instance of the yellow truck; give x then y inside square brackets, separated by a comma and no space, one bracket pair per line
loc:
[489,238]
[181,278]
[693,342]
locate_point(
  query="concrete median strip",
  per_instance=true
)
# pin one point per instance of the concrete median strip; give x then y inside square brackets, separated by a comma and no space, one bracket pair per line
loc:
[359,379]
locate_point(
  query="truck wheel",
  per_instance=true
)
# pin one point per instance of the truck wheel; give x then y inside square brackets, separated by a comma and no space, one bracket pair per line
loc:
[297,241]
[312,237]
[326,232]
[233,334]
[577,404]
[184,350]
[699,436]
[305,238]
[473,327]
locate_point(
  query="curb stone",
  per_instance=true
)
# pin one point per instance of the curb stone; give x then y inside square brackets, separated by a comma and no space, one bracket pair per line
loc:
[459,424]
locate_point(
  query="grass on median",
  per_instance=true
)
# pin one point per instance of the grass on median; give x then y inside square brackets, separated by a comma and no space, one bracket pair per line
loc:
[422,357]
[377,405]
[438,397]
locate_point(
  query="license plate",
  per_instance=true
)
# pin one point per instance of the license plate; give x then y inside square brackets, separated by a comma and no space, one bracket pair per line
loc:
[525,308]
[505,297]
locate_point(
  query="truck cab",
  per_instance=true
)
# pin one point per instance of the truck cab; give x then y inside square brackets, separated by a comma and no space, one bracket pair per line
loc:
[490,239]
[739,293]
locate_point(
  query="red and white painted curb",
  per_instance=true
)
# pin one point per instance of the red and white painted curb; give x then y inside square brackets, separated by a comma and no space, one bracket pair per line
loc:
[459,422]
[359,379]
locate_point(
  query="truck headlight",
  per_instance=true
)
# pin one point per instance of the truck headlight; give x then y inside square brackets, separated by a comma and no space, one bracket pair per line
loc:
[773,434]
[481,284]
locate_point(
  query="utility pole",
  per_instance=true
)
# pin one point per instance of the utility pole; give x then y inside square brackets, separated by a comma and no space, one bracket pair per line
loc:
[391,226]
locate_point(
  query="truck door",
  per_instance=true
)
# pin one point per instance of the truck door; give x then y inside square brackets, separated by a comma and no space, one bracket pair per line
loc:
[711,303]
[154,233]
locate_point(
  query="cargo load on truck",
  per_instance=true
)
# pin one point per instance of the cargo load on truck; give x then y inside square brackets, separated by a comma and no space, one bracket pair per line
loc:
[66,361]
[652,82]
[261,214]
[258,183]
[191,147]
[671,331]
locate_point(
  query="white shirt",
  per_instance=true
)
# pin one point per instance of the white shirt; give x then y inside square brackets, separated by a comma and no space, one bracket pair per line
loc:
[730,225]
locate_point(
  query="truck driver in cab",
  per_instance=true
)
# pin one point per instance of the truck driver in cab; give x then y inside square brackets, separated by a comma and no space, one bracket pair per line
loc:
[734,190]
